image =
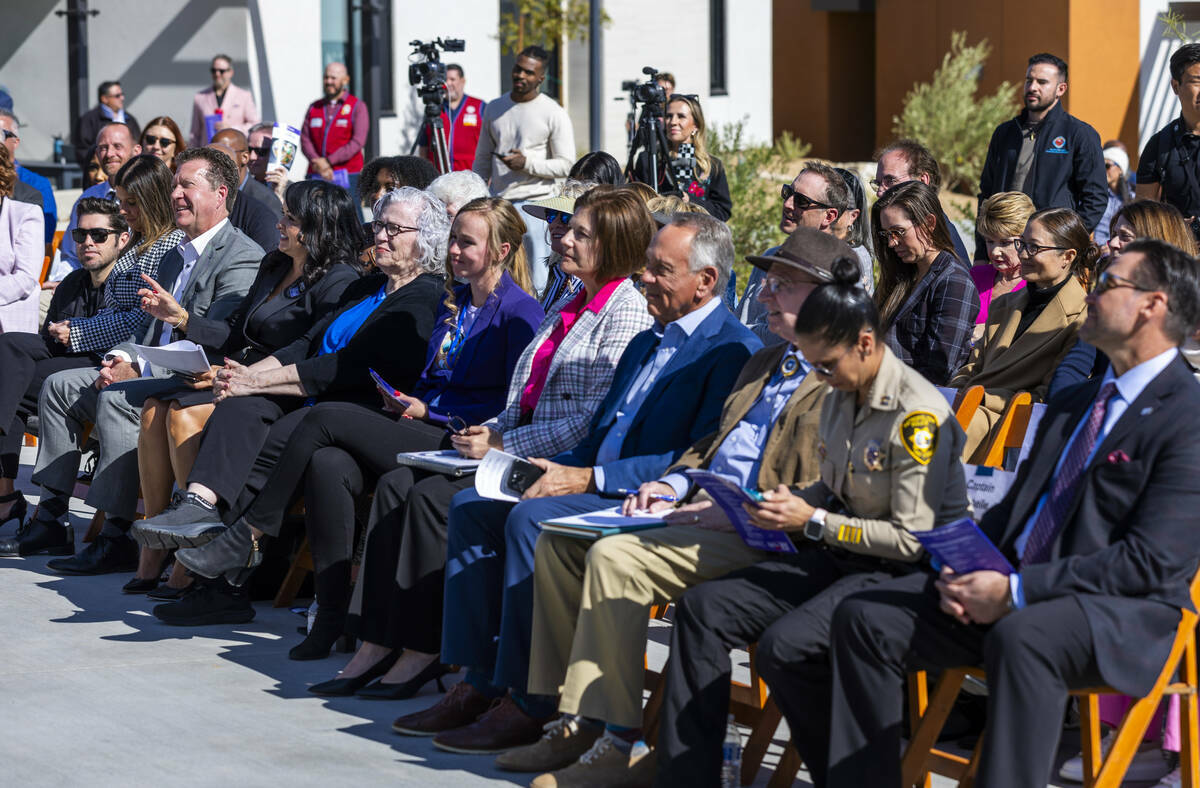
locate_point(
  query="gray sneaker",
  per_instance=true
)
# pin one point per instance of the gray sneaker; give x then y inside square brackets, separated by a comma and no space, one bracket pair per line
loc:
[190,521]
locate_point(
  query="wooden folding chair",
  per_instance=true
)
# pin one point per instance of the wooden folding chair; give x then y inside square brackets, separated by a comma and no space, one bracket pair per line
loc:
[1010,434]
[1100,770]
[966,403]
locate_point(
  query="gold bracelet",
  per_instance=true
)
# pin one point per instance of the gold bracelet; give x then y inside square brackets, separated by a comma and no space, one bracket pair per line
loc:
[179,326]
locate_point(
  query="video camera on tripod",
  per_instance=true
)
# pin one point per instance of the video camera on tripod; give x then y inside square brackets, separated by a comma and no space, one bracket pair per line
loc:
[428,75]
[649,134]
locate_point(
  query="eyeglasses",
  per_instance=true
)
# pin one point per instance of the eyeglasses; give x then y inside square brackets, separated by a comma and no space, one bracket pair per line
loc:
[1033,250]
[456,425]
[221,70]
[116,95]
[892,233]
[773,284]
[888,182]
[261,150]
[1109,165]
[553,216]
[10,135]
[1110,281]
[162,142]
[392,230]
[98,234]
[826,368]
[802,202]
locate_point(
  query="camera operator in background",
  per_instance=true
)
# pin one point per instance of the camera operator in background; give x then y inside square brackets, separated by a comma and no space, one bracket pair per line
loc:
[687,168]
[462,118]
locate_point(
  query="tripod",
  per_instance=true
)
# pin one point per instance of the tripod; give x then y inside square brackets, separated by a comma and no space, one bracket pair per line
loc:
[435,130]
[651,136]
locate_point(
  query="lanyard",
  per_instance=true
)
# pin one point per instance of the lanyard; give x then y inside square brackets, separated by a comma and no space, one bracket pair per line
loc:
[456,344]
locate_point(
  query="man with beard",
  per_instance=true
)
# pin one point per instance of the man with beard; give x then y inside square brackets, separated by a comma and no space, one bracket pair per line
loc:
[1053,157]
[335,131]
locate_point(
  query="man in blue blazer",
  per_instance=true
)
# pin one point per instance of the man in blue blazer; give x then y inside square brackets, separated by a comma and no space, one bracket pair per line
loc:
[1101,526]
[666,394]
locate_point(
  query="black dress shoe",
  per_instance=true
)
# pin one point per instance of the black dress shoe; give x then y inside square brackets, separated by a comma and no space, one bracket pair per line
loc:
[140,585]
[406,689]
[164,593]
[40,537]
[214,602]
[17,511]
[235,549]
[349,686]
[105,555]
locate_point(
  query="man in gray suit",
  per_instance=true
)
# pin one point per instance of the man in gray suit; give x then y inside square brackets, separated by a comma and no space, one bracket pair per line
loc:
[208,274]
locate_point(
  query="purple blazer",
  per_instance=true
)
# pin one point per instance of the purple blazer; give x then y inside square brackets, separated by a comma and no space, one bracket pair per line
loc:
[21,253]
[984,276]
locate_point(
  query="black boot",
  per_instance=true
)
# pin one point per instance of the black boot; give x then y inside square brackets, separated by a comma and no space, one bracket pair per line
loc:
[332,589]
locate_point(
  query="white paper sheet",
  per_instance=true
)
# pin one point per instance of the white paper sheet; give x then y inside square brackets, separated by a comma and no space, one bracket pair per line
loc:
[492,474]
[182,356]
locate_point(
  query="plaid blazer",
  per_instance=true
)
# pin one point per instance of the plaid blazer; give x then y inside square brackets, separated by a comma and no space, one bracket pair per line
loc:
[931,331]
[579,377]
[121,317]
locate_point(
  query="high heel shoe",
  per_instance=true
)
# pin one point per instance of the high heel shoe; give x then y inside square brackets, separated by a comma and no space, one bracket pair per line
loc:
[17,511]
[406,689]
[349,686]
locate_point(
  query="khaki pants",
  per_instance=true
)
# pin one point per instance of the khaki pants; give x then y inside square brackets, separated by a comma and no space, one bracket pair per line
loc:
[591,610]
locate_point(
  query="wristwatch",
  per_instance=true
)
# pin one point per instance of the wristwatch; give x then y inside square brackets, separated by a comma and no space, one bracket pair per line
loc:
[814,529]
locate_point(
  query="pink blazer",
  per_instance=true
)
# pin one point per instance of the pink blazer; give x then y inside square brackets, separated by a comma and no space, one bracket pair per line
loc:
[21,251]
[238,108]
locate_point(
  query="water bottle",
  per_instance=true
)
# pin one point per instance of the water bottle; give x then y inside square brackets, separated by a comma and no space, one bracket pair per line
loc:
[731,756]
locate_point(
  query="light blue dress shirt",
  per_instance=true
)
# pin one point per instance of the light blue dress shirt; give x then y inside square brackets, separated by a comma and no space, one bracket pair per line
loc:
[671,338]
[739,456]
[1129,387]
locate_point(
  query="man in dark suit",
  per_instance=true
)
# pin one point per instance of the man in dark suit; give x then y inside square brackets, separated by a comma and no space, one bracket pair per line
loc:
[1100,524]
[250,213]
[208,274]
[110,108]
[666,394]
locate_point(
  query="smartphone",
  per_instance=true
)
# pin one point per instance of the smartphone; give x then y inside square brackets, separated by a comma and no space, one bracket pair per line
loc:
[387,389]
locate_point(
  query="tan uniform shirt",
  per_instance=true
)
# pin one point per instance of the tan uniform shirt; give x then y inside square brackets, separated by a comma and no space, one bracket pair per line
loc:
[893,463]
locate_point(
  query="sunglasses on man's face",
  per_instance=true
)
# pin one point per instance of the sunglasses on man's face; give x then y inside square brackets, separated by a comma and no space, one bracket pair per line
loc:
[221,70]
[97,234]
[553,216]
[801,201]
[162,142]
[261,150]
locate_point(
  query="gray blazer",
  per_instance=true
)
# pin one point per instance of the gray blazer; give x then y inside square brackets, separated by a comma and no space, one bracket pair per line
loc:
[220,280]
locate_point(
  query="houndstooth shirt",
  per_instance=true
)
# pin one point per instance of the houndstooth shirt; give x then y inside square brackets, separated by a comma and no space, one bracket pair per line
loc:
[579,376]
[932,329]
[121,317]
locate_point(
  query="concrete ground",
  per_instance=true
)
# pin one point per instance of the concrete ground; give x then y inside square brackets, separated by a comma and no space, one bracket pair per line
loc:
[97,690]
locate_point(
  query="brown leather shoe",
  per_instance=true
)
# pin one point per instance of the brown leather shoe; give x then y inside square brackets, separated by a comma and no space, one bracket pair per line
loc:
[504,726]
[461,706]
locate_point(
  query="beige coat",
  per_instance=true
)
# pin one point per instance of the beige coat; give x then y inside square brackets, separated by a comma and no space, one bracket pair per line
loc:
[1005,364]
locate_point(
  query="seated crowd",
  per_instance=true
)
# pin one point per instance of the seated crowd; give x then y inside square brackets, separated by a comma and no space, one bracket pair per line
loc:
[823,391]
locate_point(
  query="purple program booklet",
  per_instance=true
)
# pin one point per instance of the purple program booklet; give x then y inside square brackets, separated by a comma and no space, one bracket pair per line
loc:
[964,548]
[730,497]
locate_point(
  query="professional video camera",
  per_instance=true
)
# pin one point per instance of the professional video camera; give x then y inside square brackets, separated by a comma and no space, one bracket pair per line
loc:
[649,134]
[428,75]
[649,92]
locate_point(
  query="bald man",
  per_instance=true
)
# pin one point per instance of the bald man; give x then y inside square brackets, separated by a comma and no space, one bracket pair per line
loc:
[236,141]
[335,131]
[247,214]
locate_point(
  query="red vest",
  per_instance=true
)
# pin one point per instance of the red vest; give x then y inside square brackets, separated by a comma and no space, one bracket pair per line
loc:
[462,134]
[327,135]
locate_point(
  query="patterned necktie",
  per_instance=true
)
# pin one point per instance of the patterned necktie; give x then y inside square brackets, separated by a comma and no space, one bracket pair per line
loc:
[1051,519]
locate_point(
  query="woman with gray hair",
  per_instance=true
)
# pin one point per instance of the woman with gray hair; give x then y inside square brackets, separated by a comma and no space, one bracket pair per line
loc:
[382,325]
[456,189]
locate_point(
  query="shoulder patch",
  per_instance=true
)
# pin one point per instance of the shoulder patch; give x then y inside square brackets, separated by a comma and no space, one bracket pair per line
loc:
[919,434]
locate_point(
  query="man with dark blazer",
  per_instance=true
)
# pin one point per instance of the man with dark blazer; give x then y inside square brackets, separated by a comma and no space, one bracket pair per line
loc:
[208,274]
[666,394]
[110,108]
[1100,524]
[249,213]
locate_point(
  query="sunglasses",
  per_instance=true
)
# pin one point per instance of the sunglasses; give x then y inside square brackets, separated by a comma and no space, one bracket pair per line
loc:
[456,425]
[220,70]
[553,216]
[802,202]
[162,142]
[261,150]
[10,135]
[97,234]
[1110,281]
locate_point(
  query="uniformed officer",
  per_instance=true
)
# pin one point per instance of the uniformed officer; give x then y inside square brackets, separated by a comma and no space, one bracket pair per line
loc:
[890,467]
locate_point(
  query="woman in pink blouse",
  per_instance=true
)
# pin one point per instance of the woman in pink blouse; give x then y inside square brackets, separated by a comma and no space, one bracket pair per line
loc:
[1001,221]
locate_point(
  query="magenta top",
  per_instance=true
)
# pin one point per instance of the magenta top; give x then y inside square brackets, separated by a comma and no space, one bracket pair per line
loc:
[539,369]
[984,277]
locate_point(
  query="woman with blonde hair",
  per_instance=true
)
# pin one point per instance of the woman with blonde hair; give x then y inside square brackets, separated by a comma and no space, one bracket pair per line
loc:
[684,125]
[1001,221]
[1029,331]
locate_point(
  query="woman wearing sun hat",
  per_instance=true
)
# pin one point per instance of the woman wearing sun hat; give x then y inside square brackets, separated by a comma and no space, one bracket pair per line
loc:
[556,212]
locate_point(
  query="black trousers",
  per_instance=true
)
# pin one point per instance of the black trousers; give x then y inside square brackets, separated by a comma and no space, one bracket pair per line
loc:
[240,445]
[1033,657]
[398,599]
[333,456]
[786,606]
[26,360]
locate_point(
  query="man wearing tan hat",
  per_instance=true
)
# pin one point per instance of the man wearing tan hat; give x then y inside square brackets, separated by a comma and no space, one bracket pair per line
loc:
[592,600]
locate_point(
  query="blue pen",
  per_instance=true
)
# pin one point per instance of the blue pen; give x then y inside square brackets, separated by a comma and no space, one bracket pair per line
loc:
[667,498]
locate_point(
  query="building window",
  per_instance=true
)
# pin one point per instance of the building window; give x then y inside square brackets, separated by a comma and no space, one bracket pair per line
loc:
[342,41]
[716,48]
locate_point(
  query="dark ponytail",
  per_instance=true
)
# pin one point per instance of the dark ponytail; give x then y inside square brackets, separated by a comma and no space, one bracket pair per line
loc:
[836,312]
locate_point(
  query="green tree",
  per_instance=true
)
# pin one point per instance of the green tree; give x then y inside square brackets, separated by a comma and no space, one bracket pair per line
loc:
[544,22]
[945,116]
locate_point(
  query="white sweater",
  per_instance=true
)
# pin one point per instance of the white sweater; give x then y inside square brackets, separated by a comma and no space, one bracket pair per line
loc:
[540,129]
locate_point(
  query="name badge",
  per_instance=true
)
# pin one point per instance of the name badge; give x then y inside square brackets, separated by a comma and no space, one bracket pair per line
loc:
[341,122]
[470,120]
[316,123]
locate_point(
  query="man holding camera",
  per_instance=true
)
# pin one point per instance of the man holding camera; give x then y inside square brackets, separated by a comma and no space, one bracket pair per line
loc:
[527,145]
[462,118]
